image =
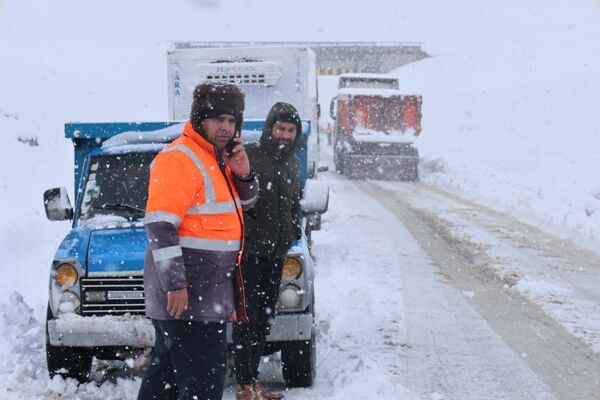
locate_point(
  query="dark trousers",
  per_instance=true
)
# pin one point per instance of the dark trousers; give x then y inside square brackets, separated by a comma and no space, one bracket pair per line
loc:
[188,362]
[262,278]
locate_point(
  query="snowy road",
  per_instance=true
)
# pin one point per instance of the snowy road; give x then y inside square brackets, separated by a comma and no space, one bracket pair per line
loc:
[420,294]
[394,326]
[496,263]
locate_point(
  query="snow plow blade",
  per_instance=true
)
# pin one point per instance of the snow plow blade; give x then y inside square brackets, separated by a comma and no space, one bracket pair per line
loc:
[382,167]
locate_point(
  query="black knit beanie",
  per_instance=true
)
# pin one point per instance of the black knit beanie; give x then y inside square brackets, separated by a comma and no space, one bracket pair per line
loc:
[291,118]
[212,99]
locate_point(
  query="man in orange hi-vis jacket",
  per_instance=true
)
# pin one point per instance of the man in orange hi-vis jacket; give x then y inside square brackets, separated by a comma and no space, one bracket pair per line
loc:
[193,283]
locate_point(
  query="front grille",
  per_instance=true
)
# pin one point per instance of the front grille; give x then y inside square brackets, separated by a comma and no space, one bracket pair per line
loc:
[112,296]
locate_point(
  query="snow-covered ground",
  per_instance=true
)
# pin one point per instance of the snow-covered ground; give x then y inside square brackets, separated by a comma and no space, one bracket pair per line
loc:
[509,118]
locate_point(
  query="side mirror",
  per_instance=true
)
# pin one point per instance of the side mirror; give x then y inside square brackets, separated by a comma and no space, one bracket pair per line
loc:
[311,169]
[57,204]
[332,108]
[316,197]
[323,168]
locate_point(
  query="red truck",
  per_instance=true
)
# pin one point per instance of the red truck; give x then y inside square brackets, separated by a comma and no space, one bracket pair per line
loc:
[375,127]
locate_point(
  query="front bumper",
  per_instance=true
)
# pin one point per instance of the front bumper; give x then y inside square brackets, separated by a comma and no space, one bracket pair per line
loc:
[138,332]
[78,331]
[288,328]
[384,160]
[394,167]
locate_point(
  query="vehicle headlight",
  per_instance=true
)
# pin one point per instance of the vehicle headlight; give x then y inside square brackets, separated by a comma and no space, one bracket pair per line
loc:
[68,303]
[292,268]
[290,296]
[66,275]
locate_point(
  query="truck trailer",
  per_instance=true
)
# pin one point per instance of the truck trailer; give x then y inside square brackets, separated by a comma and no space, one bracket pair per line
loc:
[267,74]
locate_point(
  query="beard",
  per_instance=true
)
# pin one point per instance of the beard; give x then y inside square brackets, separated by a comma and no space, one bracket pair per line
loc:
[283,147]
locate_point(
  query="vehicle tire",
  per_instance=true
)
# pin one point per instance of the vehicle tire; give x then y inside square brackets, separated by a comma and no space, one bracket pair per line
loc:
[299,358]
[337,160]
[415,169]
[413,172]
[299,362]
[409,174]
[349,169]
[68,362]
[342,165]
[414,176]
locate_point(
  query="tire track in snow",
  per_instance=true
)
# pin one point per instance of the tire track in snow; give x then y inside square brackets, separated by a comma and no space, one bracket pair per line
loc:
[562,362]
[390,326]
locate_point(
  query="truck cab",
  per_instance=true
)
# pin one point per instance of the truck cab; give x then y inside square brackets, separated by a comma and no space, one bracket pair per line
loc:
[96,295]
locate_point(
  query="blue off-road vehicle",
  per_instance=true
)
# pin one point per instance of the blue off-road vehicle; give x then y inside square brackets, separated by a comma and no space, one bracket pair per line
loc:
[96,294]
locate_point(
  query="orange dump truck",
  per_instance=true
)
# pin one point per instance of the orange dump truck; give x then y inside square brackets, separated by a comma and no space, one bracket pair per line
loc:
[375,128]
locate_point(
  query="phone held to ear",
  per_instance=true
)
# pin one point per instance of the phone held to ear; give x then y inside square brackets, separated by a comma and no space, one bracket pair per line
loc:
[230,145]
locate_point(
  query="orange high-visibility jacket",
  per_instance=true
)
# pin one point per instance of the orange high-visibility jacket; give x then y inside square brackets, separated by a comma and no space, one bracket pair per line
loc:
[195,225]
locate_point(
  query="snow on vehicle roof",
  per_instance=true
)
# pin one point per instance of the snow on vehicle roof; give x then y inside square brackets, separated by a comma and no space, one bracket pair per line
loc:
[141,141]
[368,76]
[368,80]
[163,135]
[131,148]
[382,92]
[170,133]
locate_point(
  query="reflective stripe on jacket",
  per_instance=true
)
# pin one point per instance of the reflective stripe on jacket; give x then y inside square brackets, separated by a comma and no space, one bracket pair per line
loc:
[194,223]
[187,188]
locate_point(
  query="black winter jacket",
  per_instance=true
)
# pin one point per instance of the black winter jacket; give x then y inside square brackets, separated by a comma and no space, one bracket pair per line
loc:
[274,222]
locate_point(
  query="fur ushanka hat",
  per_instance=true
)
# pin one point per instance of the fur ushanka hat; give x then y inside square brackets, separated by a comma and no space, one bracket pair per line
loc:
[212,99]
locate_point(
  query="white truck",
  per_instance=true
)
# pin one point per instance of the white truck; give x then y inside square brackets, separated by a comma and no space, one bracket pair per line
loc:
[267,74]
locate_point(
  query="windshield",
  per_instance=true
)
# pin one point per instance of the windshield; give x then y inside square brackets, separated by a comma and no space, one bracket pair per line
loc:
[117,186]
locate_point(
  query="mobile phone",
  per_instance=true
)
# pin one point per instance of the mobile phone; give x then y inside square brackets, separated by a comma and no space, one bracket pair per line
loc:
[231,144]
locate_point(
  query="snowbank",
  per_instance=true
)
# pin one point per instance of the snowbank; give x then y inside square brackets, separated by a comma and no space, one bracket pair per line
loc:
[527,144]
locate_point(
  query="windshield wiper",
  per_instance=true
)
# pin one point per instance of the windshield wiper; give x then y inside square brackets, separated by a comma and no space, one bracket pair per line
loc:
[122,206]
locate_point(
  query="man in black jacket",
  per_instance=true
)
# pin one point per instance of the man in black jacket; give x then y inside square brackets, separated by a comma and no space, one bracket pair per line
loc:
[271,227]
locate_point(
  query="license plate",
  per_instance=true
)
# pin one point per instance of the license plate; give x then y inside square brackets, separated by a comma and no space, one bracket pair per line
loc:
[130,295]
